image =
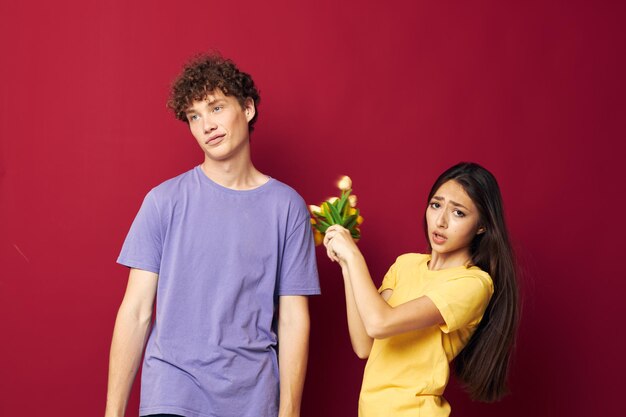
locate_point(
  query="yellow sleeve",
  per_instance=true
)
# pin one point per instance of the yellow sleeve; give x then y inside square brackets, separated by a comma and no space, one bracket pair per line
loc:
[461,300]
[389,281]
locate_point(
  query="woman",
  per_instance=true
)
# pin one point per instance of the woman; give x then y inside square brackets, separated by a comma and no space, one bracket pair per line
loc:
[458,302]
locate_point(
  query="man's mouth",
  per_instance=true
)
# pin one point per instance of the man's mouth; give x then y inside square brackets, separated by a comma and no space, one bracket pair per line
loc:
[213,138]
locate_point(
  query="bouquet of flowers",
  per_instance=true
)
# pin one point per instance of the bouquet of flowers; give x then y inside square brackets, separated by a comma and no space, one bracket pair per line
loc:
[337,210]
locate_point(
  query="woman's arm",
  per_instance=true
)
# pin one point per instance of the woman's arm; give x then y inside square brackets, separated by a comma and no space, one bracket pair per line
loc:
[379,319]
[361,341]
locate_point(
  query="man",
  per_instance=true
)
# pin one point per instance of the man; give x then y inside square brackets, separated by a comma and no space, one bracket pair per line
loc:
[228,253]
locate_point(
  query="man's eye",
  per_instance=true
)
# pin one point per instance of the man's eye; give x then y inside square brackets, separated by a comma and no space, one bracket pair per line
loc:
[217,108]
[193,117]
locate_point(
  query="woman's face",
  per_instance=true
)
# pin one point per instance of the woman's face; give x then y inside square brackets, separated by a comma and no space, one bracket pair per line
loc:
[453,220]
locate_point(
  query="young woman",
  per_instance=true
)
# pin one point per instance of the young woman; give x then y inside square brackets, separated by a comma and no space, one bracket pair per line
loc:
[458,302]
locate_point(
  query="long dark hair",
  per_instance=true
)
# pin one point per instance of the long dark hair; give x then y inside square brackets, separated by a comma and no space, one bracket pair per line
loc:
[483,364]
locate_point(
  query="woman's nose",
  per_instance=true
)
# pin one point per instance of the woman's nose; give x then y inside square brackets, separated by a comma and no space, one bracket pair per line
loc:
[442,221]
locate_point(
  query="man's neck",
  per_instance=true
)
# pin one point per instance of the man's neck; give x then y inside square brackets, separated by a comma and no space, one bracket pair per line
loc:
[236,175]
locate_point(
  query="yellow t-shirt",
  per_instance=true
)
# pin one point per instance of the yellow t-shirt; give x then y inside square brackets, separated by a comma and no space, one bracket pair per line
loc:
[406,374]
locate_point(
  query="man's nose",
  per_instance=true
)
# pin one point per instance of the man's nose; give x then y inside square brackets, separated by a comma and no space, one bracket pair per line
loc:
[209,124]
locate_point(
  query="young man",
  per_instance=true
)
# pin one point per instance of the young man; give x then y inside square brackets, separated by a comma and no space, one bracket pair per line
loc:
[228,253]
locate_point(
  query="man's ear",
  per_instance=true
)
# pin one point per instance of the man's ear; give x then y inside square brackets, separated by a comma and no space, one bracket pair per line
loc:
[249,109]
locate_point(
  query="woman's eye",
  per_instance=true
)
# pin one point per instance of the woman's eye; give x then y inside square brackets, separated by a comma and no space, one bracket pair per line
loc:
[459,213]
[434,204]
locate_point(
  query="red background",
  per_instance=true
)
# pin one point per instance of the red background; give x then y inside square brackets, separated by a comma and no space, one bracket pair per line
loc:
[390,93]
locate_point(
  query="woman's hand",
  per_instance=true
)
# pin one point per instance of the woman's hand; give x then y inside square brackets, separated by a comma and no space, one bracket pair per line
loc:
[340,246]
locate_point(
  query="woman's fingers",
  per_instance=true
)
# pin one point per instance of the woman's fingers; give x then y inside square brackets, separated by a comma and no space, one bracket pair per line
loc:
[330,253]
[335,234]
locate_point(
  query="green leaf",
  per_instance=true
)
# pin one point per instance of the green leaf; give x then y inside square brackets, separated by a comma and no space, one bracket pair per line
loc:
[350,222]
[325,221]
[323,226]
[323,218]
[344,205]
[339,206]
[336,217]
[327,214]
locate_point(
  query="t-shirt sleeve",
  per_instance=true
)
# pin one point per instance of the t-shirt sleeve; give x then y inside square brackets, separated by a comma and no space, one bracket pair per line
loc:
[390,278]
[143,245]
[298,271]
[461,301]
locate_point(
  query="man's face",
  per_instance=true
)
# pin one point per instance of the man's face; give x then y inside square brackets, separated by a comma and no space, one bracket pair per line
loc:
[220,125]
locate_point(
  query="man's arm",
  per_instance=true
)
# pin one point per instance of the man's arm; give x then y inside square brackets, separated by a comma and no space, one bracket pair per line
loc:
[129,338]
[293,339]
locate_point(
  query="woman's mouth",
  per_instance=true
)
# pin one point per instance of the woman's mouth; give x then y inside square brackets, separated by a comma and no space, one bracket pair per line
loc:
[439,239]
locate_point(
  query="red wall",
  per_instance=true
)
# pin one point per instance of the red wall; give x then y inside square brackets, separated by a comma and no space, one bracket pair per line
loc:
[390,93]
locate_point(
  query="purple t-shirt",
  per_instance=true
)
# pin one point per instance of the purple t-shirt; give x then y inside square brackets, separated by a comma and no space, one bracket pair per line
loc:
[223,257]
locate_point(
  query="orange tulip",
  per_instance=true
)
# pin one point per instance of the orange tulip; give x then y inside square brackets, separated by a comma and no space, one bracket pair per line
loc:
[318,237]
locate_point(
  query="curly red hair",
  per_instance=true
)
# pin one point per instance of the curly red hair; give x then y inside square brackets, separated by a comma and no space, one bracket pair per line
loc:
[202,75]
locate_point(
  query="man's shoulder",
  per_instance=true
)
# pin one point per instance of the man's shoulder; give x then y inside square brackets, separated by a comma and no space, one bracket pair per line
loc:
[173,186]
[287,196]
[287,203]
[285,190]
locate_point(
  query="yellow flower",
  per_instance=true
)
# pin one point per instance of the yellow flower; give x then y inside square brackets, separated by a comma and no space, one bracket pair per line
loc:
[331,212]
[345,183]
[318,237]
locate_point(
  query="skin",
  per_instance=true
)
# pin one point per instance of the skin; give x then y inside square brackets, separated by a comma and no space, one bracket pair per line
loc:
[453,216]
[220,126]
[453,221]
[129,338]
